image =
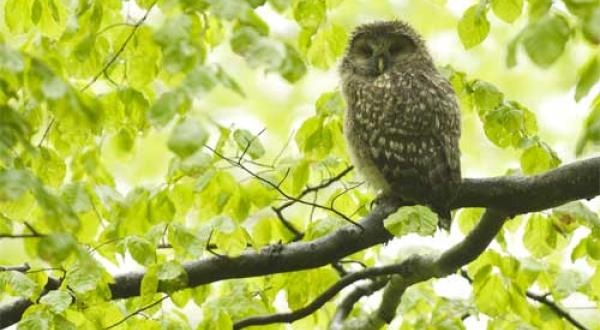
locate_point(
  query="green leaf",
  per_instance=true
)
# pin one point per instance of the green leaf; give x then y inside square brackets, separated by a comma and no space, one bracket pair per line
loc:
[228,81]
[161,208]
[300,175]
[588,76]
[256,49]
[57,301]
[468,218]
[591,127]
[331,103]
[411,219]
[19,15]
[13,184]
[200,81]
[491,295]
[545,40]
[6,225]
[36,11]
[595,284]
[248,143]
[507,10]
[17,283]
[184,241]
[509,125]
[591,26]
[327,46]
[292,68]
[166,107]
[197,163]
[149,284]
[473,27]
[187,137]
[75,194]
[314,139]
[487,97]
[577,212]
[538,8]
[538,158]
[141,250]
[309,13]
[171,276]
[540,237]
[511,52]
[280,5]
[49,167]
[10,59]
[56,247]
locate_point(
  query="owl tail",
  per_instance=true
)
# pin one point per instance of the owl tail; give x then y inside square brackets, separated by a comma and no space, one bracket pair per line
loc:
[444,217]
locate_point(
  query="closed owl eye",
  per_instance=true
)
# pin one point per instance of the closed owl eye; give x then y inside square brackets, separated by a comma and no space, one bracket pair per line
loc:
[396,48]
[365,50]
[401,45]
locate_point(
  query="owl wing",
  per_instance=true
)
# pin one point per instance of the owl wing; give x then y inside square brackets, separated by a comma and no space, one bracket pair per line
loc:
[416,145]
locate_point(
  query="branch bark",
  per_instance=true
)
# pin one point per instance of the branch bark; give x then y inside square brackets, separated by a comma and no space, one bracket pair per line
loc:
[510,195]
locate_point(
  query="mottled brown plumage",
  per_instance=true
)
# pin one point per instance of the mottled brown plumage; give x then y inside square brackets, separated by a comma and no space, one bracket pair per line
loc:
[403,122]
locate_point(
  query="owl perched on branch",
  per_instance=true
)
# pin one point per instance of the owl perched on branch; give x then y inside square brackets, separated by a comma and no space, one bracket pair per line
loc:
[403,122]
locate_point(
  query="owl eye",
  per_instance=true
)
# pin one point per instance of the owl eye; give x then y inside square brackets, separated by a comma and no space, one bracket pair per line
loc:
[396,48]
[365,50]
[401,45]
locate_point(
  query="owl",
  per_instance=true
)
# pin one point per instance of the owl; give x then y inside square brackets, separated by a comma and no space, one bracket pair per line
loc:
[402,125]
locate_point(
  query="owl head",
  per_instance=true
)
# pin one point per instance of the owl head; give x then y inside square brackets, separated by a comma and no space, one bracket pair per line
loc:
[379,47]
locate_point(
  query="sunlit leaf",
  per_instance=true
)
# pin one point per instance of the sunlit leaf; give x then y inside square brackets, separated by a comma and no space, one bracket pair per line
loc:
[187,137]
[546,39]
[57,301]
[507,10]
[473,27]
[412,219]
[540,237]
[589,75]
[248,143]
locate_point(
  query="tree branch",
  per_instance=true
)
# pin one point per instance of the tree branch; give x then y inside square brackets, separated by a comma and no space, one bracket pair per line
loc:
[556,309]
[513,195]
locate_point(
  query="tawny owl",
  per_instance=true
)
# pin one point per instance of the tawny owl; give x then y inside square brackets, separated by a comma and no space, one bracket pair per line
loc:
[403,122]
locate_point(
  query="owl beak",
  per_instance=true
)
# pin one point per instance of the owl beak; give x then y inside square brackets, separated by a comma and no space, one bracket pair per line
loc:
[380,64]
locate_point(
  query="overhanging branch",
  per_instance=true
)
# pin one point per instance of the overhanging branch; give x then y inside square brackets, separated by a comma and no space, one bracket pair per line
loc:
[512,195]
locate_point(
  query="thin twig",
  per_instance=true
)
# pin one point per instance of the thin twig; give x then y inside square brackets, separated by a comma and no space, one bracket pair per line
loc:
[543,299]
[114,26]
[121,49]
[249,144]
[137,312]
[20,236]
[285,176]
[318,187]
[48,128]
[323,298]
[556,309]
[345,191]
[276,159]
[280,191]
[298,235]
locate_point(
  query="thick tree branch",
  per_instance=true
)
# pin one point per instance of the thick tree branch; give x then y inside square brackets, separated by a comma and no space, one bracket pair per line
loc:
[345,306]
[448,262]
[513,195]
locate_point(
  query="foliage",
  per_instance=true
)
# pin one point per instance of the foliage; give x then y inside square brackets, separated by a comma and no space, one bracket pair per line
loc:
[117,149]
